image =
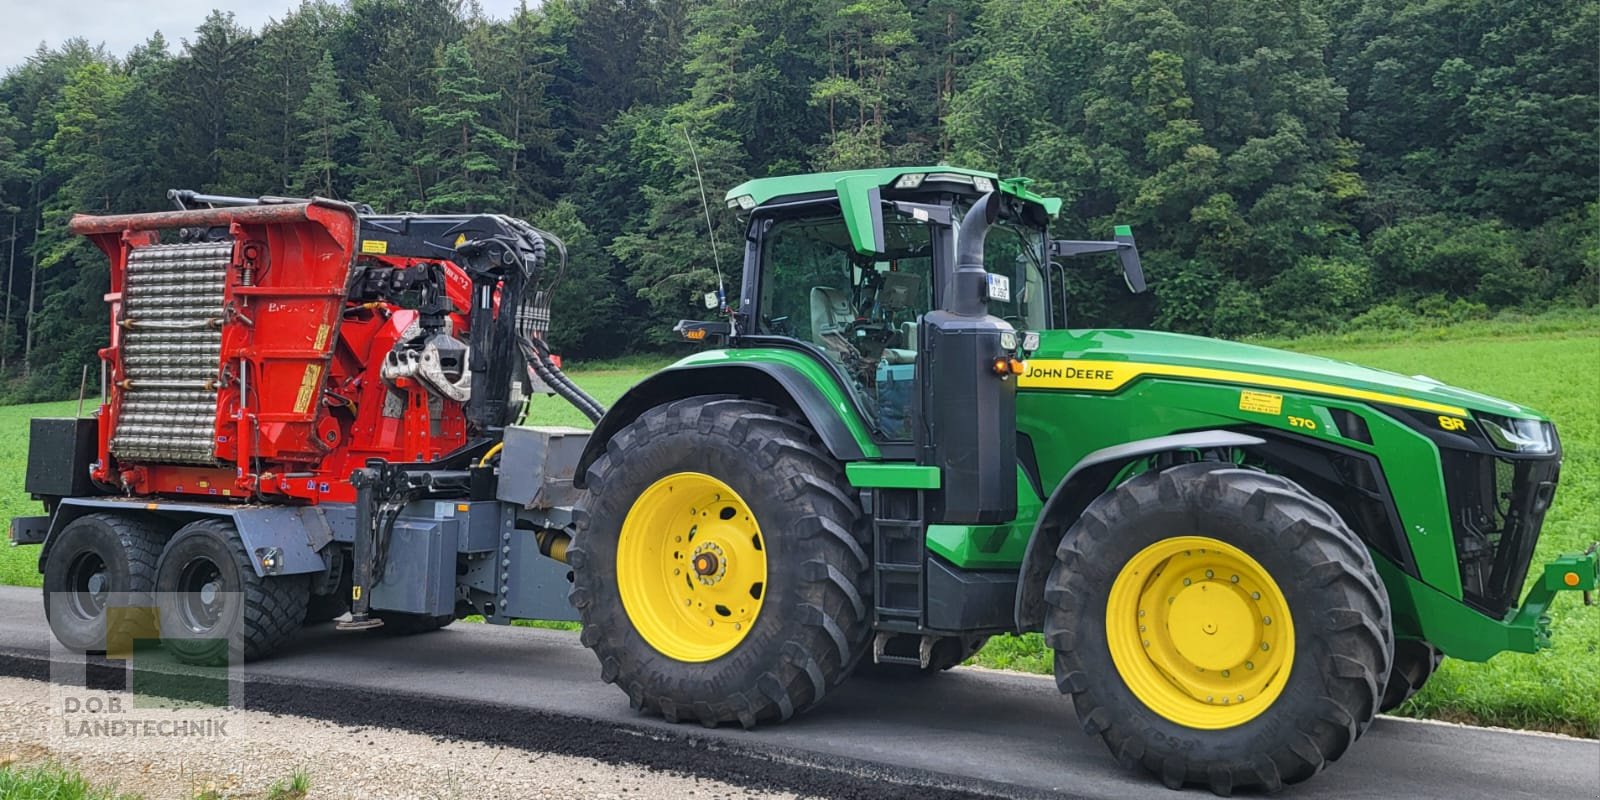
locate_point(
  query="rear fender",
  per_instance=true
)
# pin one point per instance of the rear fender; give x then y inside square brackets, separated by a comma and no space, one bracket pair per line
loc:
[1086,481]
[774,383]
[298,533]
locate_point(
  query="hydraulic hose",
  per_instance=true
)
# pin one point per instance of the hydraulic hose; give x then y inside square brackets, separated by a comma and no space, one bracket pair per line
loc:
[539,360]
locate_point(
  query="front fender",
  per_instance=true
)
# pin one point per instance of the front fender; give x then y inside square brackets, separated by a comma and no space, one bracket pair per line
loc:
[1087,480]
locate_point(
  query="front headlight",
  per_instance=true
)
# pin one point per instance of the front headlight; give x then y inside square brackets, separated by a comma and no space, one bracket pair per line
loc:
[1519,435]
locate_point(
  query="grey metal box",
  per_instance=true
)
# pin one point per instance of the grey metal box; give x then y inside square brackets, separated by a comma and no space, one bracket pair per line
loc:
[537,465]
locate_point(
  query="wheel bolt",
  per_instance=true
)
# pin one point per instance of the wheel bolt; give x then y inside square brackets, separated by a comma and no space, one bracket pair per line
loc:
[1255,595]
[1210,574]
[1266,620]
[1147,643]
[1249,665]
[1265,646]
[1141,612]
[1141,629]
[1185,581]
[1224,673]
[1235,579]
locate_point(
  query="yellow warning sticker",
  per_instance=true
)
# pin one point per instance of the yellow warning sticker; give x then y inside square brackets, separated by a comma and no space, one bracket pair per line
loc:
[374,246]
[1261,402]
[308,388]
[461,240]
[322,336]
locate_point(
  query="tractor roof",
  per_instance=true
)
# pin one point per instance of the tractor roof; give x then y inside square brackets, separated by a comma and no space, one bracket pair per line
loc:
[758,192]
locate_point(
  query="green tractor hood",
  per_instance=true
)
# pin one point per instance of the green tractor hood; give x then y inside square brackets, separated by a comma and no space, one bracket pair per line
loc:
[1107,360]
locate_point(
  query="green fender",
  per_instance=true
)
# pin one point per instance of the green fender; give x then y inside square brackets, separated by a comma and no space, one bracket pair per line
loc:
[784,378]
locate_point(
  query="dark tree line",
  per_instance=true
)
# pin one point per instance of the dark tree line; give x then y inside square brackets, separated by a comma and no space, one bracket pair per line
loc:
[1287,166]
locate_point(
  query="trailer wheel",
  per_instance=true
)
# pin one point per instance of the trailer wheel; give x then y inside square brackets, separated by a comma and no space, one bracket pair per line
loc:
[1218,626]
[718,564]
[96,560]
[1414,662]
[209,596]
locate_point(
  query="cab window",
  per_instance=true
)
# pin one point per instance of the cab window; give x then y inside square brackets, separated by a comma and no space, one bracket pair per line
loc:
[860,312]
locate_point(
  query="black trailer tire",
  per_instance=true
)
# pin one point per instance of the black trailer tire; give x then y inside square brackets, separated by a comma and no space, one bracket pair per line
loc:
[210,596]
[98,558]
[1414,662]
[396,623]
[813,620]
[1333,656]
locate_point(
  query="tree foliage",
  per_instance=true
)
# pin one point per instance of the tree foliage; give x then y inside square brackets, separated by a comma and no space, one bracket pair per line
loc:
[1287,166]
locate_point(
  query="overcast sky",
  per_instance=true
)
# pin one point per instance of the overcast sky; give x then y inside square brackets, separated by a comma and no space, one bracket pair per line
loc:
[121,24]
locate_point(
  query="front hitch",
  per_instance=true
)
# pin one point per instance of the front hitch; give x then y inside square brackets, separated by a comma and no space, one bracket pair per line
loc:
[1571,572]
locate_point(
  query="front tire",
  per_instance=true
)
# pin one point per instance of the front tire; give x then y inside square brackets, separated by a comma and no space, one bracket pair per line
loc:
[210,597]
[96,561]
[1218,626]
[1414,662]
[718,564]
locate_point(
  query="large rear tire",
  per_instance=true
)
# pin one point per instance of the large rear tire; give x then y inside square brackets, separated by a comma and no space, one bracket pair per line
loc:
[1218,626]
[719,565]
[1414,662]
[209,597]
[96,561]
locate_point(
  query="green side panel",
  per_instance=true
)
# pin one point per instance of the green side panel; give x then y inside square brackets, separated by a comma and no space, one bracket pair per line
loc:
[891,475]
[1422,612]
[836,395]
[990,546]
[1180,350]
[1148,408]
[1123,230]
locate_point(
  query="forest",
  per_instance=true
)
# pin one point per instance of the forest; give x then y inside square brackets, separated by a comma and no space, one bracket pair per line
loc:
[1288,167]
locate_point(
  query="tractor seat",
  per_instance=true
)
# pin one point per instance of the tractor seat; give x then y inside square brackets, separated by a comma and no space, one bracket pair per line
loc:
[831,315]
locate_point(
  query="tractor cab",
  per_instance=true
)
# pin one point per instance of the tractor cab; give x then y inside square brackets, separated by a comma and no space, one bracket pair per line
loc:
[917,288]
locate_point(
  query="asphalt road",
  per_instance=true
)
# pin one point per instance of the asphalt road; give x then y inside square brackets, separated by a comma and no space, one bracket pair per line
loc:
[964,733]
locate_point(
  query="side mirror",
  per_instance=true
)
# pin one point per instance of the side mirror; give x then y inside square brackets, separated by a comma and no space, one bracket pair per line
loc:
[1123,246]
[1132,270]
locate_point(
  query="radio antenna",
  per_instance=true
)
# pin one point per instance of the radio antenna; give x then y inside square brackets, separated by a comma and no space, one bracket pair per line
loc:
[711,233]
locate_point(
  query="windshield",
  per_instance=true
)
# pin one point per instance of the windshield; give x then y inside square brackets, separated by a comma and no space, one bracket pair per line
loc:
[1016,250]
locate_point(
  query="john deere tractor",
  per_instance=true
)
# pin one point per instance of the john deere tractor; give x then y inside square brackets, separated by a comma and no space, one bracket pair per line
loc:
[897,449]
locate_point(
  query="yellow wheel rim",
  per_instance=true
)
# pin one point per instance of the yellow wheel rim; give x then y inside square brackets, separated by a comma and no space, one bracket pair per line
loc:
[1200,632]
[691,567]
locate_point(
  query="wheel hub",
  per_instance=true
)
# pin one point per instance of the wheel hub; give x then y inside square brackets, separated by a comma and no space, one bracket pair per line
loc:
[691,567]
[1200,632]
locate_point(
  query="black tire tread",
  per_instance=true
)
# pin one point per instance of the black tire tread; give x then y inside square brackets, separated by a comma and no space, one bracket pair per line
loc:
[1340,566]
[1415,661]
[831,635]
[274,606]
[141,543]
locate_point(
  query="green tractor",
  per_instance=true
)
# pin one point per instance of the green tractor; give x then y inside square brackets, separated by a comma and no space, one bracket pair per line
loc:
[1239,555]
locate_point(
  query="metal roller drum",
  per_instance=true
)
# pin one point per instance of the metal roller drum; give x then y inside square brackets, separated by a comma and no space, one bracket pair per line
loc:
[171,350]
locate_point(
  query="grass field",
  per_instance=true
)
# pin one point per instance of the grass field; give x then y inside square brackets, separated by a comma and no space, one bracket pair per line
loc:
[1551,366]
